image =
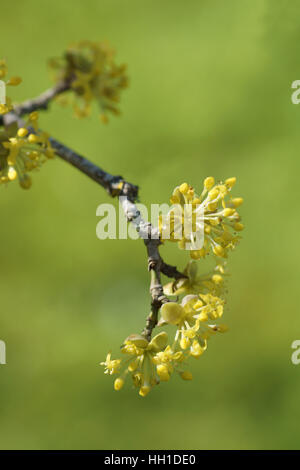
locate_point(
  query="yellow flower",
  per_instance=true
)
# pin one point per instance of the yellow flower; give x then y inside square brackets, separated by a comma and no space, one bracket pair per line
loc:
[193,319]
[168,361]
[139,362]
[21,152]
[90,68]
[111,366]
[118,384]
[163,372]
[204,223]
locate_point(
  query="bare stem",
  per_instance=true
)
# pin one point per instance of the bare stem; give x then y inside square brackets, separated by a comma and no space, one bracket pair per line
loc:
[156,290]
[35,104]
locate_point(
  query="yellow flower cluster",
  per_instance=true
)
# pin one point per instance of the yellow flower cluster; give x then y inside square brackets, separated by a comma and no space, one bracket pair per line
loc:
[195,319]
[148,363]
[22,152]
[13,81]
[91,70]
[213,215]
[199,299]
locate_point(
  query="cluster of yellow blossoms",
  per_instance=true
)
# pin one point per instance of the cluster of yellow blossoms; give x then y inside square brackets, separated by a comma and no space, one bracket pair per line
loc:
[195,319]
[213,214]
[196,301]
[93,75]
[148,363]
[21,151]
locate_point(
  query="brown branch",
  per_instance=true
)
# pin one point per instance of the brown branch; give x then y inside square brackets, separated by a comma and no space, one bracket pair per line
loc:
[41,102]
[114,185]
[171,271]
[128,194]
[156,290]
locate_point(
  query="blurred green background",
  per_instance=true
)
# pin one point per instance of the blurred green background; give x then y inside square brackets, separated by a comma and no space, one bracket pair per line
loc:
[210,94]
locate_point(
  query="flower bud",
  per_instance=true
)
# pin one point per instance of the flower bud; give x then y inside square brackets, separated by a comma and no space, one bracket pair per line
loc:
[228,212]
[159,342]
[12,174]
[238,226]
[209,182]
[138,340]
[186,375]
[218,250]
[183,188]
[172,312]
[118,384]
[22,132]
[33,139]
[230,181]
[213,194]
[163,372]
[237,201]
[144,390]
